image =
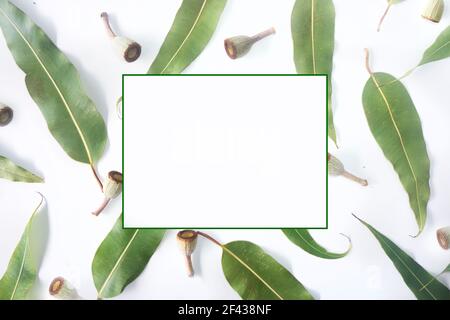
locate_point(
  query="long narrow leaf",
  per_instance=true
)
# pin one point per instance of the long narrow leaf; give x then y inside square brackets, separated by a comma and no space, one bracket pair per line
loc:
[414,275]
[122,256]
[191,31]
[312,24]
[439,50]
[303,239]
[11,171]
[55,86]
[255,275]
[395,125]
[21,272]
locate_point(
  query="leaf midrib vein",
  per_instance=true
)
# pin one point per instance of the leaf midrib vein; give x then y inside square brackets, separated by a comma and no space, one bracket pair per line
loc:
[15,174]
[440,48]
[187,36]
[313,42]
[66,105]
[252,271]
[116,265]
[403,147]
[328,254]
[25,251]
[406,266]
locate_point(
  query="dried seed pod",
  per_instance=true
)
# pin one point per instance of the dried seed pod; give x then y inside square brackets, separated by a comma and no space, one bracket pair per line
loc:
[187,241]
[62,289]
[6,115]
[433,10]
[130,50]
[112,188]
[336,168]
[443,236]
[239,46]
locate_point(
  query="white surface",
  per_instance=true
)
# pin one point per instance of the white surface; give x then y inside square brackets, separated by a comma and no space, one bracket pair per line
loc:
[225,152]
[72,193]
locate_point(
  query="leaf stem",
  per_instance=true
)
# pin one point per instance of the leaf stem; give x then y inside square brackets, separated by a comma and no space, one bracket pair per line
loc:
[105,19]
[207,236]
[94,171]
[407,73]
[384,16]
[369,70]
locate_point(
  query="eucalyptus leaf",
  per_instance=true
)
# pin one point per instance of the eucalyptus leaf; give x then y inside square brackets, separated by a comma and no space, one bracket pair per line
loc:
[55,86]
[255,275]
[447,269]
[312,27]
[414,275]
[439,50]
[396,126]
[11,171]
[303,239]
[122,256]
[22,269]
[191,31]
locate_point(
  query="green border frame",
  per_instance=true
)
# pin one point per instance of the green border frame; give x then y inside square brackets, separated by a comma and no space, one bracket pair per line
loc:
[215,75]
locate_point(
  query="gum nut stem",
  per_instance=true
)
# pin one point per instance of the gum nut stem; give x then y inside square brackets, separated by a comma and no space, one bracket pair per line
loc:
[443,236]
[433,10]
[62,289]
[6,115]
[238,46]
[336,168]
[187,242]
[129,50]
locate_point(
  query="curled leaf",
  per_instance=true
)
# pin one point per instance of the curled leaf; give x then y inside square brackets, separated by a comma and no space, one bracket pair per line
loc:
[122,256]
[255,275]
[21,272]
[13,172]
[303,239]
[414,275]
[191,31]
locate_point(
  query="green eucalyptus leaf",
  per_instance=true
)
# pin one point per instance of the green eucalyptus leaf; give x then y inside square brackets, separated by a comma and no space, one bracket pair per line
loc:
[396,126]
[55,86]
[255,275]
[11,171]
[312,27]
[122,256]
[191,31]
[447,269]
[22,269]
[415,276]
[303,239]
[439,50]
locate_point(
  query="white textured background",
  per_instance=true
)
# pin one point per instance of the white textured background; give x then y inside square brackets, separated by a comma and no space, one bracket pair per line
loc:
[73,234]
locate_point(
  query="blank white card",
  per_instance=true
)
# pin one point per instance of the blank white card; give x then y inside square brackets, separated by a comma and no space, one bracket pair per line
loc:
[225,151]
